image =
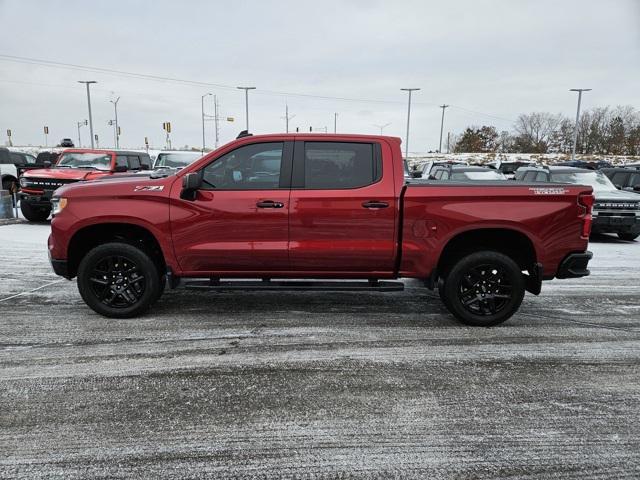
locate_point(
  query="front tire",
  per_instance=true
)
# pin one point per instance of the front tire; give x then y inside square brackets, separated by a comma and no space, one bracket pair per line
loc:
[484,289]
[33,213]
[118,280]
[629,237]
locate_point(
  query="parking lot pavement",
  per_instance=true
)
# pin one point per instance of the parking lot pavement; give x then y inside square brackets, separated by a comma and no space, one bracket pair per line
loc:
[318,385]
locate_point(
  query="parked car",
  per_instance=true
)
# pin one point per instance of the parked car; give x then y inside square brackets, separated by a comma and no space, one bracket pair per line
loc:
[332,207]
[430,165]
[595,165]
[73,165]
[463,172]
[615,211]
[624,178]
[8,169]
[508,169]
[173,159]
[66,142]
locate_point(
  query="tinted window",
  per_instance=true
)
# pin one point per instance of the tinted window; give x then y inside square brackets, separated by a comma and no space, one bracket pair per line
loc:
[619,178]
[330,165]
[134,162]
[530,176]
[634,180]
[541,177]
[145,161]
[121,161]
[252,167]
[17,158]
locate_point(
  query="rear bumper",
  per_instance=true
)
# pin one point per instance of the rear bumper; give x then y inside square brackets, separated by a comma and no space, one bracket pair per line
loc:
[575,265]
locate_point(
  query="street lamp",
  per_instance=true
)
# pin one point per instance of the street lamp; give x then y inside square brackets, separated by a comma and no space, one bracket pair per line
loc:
[443,107]
[202,104]
[575,130]
[80,124]
[382,127]
[406,146]
[117,135]
[246,102]
[87,83]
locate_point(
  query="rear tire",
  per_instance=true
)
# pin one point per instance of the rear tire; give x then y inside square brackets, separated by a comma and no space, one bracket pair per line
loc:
[34,213]
[484,288]
[118,280]
[629,237]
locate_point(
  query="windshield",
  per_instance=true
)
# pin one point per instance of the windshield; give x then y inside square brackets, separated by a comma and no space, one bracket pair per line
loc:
[489,175]
[598,180]
[99,161]
[176,160]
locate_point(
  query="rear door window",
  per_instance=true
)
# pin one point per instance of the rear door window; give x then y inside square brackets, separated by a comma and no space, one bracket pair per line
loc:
[340,165]
[134,162]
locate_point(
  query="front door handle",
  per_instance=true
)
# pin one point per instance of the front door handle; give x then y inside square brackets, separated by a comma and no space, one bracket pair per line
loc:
[269,204]
[375,204]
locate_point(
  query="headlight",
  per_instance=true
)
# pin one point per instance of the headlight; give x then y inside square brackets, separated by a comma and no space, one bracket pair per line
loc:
[58,204]
[23,182]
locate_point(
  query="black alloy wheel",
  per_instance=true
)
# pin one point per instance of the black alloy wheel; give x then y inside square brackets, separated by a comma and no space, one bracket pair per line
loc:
[119,280]
[483,288]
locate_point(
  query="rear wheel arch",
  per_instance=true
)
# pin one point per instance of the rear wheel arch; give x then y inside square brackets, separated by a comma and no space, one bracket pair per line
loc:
[510,242]
[89,237]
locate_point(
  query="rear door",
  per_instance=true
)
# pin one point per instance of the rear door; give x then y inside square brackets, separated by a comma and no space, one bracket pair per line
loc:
[343,207]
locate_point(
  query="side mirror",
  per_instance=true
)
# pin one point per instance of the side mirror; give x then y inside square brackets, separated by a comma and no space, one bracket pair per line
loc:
[619,187]
[46,164]
[431,177]
[191,182]
[416,174]
[120,169]
[636,188]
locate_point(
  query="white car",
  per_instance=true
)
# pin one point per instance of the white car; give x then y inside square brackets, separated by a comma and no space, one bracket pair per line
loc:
[427,168]
[176,159]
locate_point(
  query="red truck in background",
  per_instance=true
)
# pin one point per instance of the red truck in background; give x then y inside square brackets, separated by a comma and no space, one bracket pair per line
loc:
[333,208]
[73,165]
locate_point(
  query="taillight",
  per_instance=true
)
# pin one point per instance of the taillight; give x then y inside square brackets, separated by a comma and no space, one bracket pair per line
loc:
[586,200]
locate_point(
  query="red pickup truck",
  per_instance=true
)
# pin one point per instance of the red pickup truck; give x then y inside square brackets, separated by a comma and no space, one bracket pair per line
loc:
[283,209]
[73,165]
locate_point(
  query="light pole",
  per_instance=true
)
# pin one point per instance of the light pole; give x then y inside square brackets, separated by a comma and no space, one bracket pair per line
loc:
[406,145]
[575,130]
[202,104]
[115,107]
[443,107]
[382,127]
[80,124]
[335,122]
[246,102]
[87,83]
[287,117]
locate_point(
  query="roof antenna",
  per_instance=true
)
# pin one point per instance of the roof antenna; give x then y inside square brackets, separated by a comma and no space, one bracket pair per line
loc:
[244,133]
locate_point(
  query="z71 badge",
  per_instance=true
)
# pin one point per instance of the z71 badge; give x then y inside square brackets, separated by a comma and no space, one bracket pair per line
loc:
[548,190]
[149,188]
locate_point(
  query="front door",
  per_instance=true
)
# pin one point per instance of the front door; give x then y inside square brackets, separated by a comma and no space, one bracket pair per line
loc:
[238,221]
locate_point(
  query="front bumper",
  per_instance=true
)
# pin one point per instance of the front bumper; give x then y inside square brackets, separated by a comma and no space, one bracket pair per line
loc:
[41,199]
[616,221]
[575,265]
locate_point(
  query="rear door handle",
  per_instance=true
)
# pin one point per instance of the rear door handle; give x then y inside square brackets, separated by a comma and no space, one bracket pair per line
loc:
[375,204]
[269,204]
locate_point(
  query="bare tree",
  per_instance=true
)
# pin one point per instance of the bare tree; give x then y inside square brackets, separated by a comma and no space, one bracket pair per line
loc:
[535,131]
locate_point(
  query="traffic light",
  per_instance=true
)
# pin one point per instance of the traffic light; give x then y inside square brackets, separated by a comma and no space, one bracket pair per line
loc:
[46,130]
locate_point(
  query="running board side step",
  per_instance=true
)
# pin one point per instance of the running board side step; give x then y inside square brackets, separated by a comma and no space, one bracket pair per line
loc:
[298,285]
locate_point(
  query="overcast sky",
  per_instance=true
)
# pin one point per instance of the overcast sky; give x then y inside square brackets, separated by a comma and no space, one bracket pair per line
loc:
[491,60]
